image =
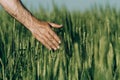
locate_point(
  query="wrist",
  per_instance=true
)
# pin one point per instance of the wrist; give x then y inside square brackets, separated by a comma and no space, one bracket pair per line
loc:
[31,23]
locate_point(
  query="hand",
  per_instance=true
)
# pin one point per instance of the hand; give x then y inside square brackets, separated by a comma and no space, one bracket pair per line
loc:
[43,33]
[41,30]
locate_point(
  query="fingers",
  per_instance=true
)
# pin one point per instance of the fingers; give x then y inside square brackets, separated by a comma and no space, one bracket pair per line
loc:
[53,34]
[54,43]
[46,36]
[47,40]
[49,43]
[43,41]
[54,25]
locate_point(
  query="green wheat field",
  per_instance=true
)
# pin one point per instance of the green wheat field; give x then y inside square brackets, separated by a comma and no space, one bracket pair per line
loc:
[90,48]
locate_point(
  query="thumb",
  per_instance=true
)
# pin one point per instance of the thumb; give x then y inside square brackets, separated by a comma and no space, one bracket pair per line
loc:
[55,25]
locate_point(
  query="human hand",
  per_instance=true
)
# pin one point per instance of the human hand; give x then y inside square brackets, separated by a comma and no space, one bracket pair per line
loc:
[42,32]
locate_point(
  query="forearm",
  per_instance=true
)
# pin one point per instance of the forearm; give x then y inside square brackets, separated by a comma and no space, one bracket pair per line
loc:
[16,9]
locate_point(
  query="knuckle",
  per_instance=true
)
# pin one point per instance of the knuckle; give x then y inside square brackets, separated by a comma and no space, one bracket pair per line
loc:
[50,44]
[42,30]
[54,41]
[46,33]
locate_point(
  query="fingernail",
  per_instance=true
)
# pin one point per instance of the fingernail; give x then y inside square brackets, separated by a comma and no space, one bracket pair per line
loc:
[55,49]
[59,42]
[50,49]
[58,47]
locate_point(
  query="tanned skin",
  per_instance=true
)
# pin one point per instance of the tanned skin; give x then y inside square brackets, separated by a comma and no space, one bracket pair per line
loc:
[41,30]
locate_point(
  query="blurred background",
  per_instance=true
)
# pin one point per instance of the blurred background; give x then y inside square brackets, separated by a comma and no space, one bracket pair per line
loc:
[90,48]
[81,5]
